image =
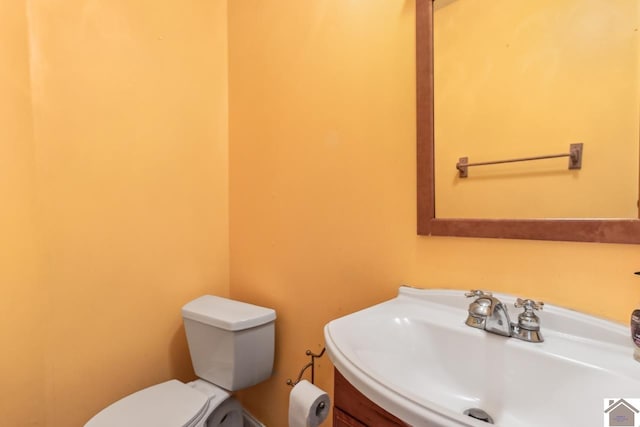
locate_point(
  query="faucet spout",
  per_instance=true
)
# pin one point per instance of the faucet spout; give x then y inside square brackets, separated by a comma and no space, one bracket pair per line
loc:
[498,321]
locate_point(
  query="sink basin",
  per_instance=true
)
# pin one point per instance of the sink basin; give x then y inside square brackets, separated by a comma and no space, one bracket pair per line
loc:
[415,357]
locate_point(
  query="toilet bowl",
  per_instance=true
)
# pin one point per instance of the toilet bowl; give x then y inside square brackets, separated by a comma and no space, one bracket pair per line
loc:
[172,404]
[231,345]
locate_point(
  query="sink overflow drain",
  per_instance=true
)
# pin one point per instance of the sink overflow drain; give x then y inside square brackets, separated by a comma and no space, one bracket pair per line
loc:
[479,414]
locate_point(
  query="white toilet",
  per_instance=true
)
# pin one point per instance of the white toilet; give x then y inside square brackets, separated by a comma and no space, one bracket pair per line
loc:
[231,345]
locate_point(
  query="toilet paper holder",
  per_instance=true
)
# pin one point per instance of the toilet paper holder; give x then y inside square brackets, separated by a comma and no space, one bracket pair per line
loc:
[311,365]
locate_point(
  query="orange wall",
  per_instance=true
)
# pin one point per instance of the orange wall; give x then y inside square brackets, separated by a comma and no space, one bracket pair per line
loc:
[322,186]
[21,317]
[117,163]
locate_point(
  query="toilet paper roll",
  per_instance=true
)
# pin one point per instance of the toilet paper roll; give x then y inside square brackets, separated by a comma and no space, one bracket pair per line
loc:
[308,405]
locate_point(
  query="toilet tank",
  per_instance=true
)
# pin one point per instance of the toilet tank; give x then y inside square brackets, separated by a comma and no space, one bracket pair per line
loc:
[231,342]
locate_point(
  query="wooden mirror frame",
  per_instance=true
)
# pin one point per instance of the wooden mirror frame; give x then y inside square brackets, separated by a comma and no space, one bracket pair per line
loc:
[578,230]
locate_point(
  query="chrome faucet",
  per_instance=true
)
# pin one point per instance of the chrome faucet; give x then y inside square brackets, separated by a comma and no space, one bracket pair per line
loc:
[489,313]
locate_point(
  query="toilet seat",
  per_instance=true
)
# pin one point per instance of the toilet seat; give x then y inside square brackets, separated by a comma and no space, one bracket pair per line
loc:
[168,404]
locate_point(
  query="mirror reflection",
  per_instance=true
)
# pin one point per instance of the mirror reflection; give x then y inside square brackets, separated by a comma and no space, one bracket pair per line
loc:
[519,78]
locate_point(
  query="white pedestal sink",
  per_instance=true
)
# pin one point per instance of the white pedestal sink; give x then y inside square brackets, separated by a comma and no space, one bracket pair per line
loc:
[415,357]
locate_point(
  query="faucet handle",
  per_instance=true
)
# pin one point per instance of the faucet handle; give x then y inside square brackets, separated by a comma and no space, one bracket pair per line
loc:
[528,326]
[529,304]
[477,293]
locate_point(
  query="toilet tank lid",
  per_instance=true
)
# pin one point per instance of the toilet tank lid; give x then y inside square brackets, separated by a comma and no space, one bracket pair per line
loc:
[226,313]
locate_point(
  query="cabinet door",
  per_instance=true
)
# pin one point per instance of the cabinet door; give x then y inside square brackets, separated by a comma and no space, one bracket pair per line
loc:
[342,419]
[356,407]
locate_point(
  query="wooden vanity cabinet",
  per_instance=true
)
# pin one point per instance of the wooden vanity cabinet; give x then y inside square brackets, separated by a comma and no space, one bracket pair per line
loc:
[353,409]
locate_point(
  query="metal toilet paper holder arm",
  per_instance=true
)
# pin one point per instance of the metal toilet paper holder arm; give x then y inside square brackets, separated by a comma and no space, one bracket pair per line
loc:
[311,365]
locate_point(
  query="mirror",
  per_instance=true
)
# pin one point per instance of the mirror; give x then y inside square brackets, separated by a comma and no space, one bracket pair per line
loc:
[583,229]
[547,74]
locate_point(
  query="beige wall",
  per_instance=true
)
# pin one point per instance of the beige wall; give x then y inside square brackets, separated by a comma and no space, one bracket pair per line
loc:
[322,186]
[116,163]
